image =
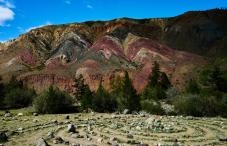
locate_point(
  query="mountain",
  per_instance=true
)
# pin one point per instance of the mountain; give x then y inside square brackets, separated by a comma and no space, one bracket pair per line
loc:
[102,50]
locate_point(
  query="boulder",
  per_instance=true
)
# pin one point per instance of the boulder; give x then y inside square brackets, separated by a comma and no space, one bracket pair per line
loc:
[35,114]
[126,111]
[34,120]
[20,129]
[50,134]
[67,117]
[3,137]
[100,140]
[8,114]
[130,136]
[42,142]
[113,139]
[20,114]
[71,128]
[142,145]
[223,138]
[58,140]
[75,144]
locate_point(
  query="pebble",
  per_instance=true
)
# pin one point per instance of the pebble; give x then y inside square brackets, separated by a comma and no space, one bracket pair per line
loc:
[20,114]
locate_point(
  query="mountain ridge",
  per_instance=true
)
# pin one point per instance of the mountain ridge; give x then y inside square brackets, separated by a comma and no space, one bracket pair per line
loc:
[96,49]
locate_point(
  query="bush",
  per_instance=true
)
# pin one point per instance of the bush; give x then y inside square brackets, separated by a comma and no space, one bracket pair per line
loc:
[53,101]
[199,105]
[172,92]
[193,87]
[19,97]
[16,94]
[1,92]
[152,106]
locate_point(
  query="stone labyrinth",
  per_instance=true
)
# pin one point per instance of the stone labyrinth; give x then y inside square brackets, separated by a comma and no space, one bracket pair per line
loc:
[113,129]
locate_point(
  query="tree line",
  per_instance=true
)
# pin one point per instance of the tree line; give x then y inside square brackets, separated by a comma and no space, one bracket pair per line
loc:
[204,96]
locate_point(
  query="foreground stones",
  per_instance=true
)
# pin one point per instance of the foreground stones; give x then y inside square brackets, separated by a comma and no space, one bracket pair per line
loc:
[139,129]
[42,142]
[71,128]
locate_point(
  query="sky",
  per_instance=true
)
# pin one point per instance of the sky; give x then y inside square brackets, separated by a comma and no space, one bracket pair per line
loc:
[20,16]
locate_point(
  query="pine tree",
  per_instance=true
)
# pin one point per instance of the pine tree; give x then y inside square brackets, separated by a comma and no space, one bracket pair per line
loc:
[83,93]
[79,87]
[86,100]
[103,101]
[158,82]
[164,81]
[98,100]
[131,100]
[216,79]
[154,77]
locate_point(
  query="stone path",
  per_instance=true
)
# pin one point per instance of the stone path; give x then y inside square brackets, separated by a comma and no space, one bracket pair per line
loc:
[113,129]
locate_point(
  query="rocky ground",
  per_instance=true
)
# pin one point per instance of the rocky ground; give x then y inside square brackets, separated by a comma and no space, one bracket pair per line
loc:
[78,129]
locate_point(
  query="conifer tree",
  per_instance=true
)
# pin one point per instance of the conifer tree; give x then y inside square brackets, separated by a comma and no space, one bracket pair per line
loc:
[164,81]
[130,99]
[83,93]
[158,82]
[103,101]
[154,77]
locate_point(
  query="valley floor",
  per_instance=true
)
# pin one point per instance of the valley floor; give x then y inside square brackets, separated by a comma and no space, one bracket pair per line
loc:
[112,129]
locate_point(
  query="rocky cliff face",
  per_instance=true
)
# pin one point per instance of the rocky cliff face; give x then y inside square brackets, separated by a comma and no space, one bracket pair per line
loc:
[102,50]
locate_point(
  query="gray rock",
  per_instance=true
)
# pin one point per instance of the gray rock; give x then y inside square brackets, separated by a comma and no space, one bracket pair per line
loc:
[71,128]
[73,144]
[58,140]
[100,140]
[133,142]
[20,114]
[8,115]
[20,129]
[222,138]
[67,117]
[50,134]
[142,145]
[130,136]
[35,114]
[126,111]
[3,137]
[34,120]
[42,142]
[113,139]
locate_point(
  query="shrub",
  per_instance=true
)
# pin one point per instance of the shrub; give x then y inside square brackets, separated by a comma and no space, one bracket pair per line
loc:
[152,106]
[19,97]
[199,105]
[53,101]
[172,92]
[193,87]
[1,92]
